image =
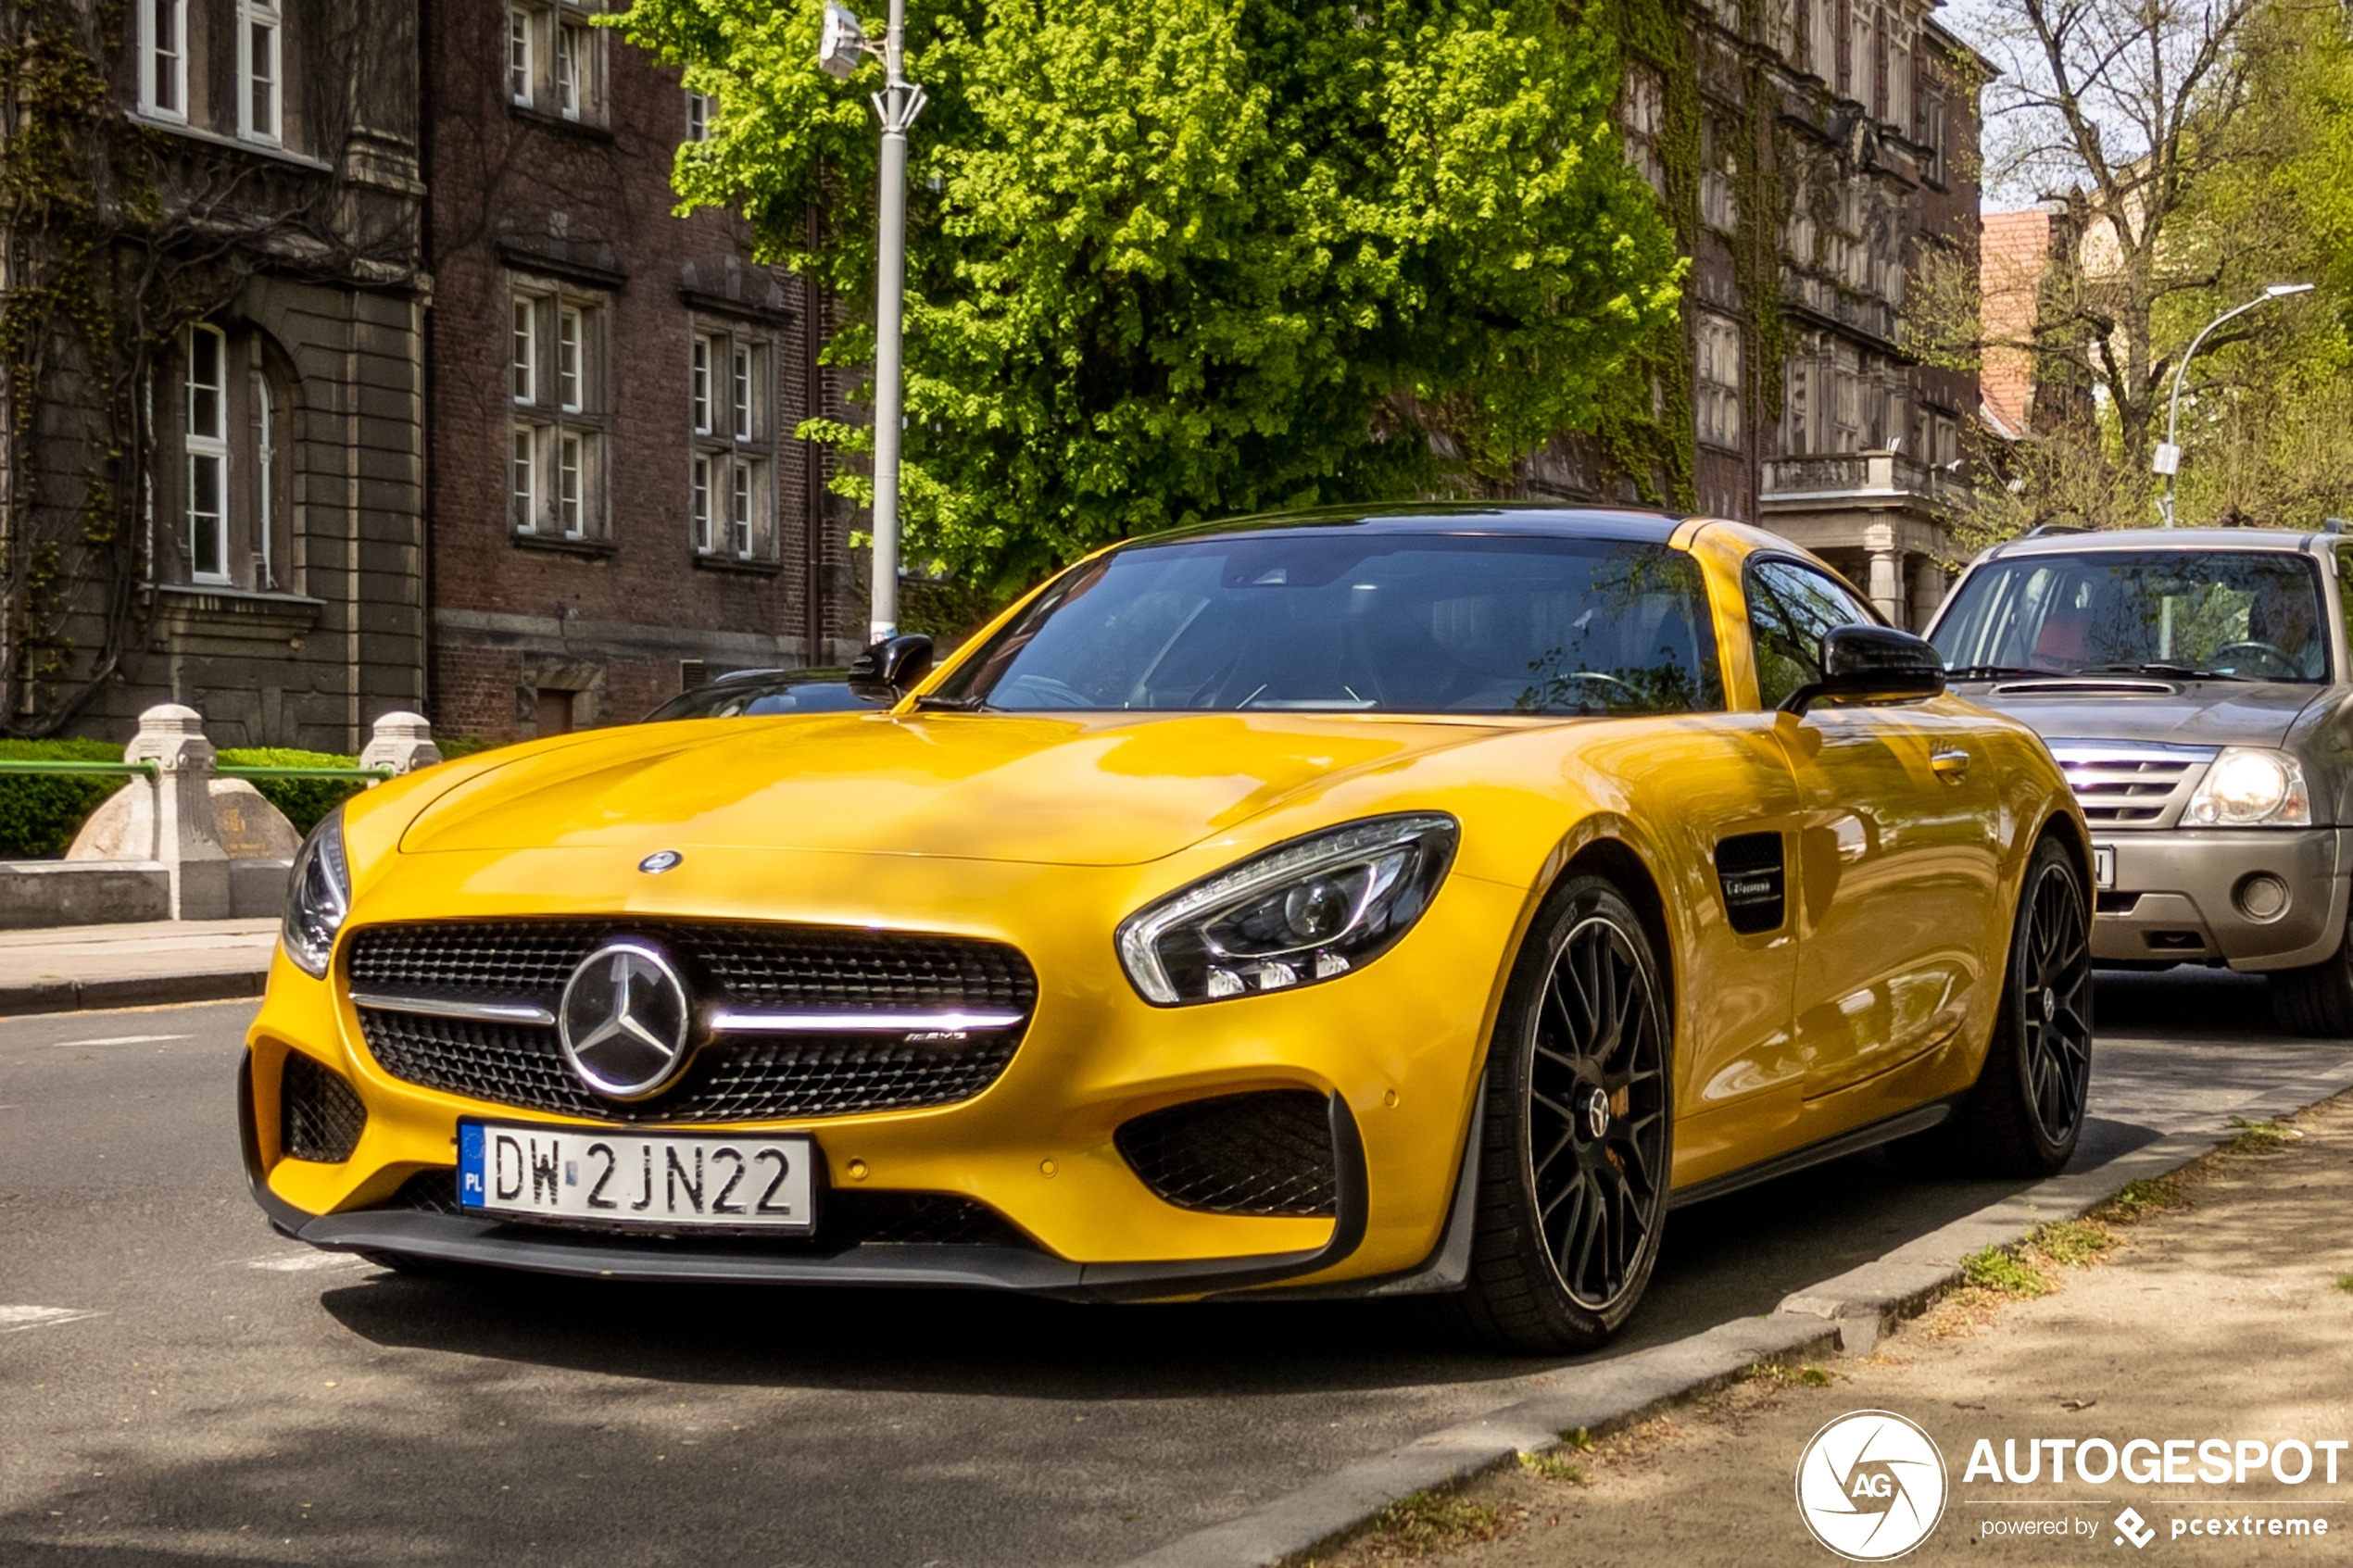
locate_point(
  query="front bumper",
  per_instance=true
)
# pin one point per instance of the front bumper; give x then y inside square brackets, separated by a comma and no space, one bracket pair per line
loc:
[2181,896]
[1395,1051]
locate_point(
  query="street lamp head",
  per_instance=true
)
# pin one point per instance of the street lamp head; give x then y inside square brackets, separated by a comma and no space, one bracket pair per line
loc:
[2281,291]
[841,42]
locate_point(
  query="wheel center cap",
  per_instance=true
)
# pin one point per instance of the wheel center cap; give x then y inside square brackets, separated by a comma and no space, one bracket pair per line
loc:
[1596,1113]
[2050,1004]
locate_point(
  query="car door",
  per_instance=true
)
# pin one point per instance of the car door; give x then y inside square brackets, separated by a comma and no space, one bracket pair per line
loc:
[1897,863]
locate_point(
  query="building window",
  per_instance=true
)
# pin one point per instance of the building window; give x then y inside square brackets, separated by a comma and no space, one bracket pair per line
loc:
[700,111]
[572,48]
[699,383]
[1933,132]
[1859,73]
[1899,82]
[700,503]
[519,73]
[732,502]
[163,59]
[1821,57]
[1718,380]
[258,101]
[562,408]
[1641,115]
[206,433]
[526,350]
[567,331]
[265,423]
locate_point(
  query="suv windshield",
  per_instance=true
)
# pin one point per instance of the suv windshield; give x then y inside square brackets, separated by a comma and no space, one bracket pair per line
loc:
[1359,623]
[2250,615]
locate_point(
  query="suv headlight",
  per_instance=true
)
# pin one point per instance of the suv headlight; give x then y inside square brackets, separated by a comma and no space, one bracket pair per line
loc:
[2249,786]
[1307,910]
[320,897]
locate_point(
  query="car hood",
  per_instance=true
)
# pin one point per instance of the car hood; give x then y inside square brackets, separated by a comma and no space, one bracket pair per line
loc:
[2172,712]
[1091,790]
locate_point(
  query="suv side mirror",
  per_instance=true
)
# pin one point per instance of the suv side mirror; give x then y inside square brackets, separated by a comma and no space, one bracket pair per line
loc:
[889,670]
[1872,664]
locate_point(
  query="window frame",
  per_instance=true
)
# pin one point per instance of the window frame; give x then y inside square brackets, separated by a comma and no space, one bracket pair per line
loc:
[253,15]
[564,424]
[198,447]
[571,69]
[521,36]
[1752,569]
[702,114]
[732,442]
[151,54]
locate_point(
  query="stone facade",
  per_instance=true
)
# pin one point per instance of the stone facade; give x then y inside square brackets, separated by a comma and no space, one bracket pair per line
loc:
[264,563]
[618,504]
[1851,447]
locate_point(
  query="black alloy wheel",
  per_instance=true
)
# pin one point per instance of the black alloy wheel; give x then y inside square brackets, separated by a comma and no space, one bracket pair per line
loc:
[1574,1165]
[2025,1113]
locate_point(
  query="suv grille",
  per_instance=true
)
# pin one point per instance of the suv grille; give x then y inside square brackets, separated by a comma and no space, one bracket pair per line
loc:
[2129,786]
[736,1077]
[1238,1154]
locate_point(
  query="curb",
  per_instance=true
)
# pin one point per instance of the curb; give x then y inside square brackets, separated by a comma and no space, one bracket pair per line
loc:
[131,991]
[1848,1312]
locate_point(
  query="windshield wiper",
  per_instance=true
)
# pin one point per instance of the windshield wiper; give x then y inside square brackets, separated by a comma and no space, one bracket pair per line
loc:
[2158,667]
[952,703]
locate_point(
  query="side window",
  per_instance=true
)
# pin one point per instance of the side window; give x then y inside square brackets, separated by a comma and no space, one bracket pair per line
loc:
[1791,609]
[2344,591]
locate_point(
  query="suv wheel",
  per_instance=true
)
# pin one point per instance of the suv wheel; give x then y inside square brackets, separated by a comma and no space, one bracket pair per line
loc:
[2317,1000]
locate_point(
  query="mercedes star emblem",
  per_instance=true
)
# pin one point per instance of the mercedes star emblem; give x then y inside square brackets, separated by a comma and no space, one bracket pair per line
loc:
[659,862]
[624,1021]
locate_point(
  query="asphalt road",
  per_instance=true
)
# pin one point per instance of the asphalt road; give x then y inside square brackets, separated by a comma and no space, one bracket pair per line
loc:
[179,1386]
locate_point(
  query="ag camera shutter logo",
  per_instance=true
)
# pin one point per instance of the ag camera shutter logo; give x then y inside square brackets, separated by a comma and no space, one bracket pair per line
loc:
[1870,1485]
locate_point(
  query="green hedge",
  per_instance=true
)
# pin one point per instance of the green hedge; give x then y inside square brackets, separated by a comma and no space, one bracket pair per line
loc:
[303,800]
[39,817]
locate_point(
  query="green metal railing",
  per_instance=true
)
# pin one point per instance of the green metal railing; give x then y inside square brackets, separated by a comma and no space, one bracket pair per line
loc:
[224,770]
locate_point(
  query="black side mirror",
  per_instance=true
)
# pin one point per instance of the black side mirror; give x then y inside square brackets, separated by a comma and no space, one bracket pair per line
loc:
[1872,664]
[889,670]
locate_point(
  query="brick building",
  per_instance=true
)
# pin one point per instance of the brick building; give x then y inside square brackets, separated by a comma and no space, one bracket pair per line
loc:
[1867,174]
[616,502]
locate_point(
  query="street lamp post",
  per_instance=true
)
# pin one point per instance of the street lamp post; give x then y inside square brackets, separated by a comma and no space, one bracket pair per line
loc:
[840,44]
[2167,460]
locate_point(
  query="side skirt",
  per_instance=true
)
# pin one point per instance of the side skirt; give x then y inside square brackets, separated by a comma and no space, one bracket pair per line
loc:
[1919,1119]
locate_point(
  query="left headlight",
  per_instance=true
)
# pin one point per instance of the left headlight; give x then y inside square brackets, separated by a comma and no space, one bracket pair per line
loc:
[2250,786]
[319,898]
[1311,910]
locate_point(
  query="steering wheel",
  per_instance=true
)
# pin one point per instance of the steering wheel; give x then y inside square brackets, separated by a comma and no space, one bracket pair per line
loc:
[2280,663]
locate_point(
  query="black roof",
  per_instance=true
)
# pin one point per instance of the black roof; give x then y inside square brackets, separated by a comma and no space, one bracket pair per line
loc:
[1523,518]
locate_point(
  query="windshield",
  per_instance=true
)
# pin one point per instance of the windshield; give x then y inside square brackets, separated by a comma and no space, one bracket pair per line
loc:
[2232,614]
[1359,623]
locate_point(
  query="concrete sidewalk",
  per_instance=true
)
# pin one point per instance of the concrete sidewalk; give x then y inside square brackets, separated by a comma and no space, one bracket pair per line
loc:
[145,964]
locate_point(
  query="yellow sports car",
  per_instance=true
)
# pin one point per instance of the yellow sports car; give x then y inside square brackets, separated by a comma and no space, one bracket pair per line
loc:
[1417,900]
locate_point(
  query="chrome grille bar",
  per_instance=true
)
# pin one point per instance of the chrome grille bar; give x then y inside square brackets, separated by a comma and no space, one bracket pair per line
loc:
[453,1006]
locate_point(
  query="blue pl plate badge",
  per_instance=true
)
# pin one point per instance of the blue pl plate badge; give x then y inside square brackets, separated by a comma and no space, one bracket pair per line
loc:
[470,1194]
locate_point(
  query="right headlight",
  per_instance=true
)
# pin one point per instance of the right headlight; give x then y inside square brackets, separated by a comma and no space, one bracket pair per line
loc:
[2250,786]
[319,898]
[1308,911]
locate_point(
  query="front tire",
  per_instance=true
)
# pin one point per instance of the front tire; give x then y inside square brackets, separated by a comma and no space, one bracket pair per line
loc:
[1574,1169]
[2025,1114]
[2318,1001]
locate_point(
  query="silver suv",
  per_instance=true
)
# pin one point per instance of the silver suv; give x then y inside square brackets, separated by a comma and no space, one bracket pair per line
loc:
[2198,688]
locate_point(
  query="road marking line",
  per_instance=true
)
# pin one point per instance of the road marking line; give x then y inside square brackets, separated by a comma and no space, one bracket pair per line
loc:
[119,1040]
[15,1318]
[302,1262]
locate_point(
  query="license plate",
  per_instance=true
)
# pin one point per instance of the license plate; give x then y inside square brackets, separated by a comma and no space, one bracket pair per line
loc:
[2104,865]
[662,1181]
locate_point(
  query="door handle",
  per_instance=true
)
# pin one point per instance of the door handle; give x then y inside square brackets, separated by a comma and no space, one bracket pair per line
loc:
[1951,765]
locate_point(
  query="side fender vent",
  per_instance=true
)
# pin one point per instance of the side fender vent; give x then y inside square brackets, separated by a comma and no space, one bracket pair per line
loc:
[1750,869]
[318,1117]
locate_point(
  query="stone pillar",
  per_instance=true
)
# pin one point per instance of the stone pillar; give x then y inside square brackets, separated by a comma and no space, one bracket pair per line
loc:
[1928,592]
[1886,586]
[402,742]
[173,737]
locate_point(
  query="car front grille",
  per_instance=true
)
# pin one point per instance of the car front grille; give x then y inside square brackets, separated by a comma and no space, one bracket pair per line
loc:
[844,1219]
[734,1077]
[2131,786]
[1266,1153]
[319,1116]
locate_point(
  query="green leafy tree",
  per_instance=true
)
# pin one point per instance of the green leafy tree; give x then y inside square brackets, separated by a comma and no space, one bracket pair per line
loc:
[1174,259]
